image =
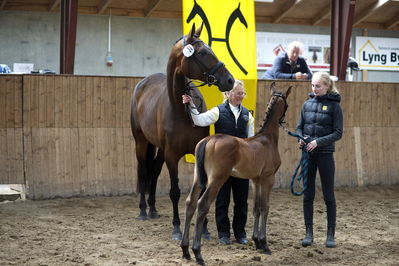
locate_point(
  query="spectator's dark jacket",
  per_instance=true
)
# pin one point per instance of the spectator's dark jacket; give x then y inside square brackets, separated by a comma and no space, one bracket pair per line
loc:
[226,123]
[282,68]
[321,119]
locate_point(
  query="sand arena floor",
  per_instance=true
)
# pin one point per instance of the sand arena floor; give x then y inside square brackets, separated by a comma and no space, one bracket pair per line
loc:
[104,231]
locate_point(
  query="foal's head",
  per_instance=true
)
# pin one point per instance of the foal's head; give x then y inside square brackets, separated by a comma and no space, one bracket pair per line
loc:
[198,61]
[281,99]
[277,106]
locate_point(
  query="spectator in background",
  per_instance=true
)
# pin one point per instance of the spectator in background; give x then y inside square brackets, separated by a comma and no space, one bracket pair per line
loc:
[289,65]
[4,69]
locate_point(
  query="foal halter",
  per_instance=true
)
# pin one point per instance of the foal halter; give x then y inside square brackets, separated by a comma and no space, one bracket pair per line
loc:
[282,121]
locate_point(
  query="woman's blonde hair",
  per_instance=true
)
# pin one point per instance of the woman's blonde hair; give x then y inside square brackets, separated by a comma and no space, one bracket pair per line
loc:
[325,78]
[237,83]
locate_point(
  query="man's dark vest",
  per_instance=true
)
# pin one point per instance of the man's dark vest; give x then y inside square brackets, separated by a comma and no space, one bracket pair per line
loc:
[226,123]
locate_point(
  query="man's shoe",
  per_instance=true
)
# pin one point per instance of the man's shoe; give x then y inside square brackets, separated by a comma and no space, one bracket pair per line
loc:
[242,241]
[224,240]
[206,235]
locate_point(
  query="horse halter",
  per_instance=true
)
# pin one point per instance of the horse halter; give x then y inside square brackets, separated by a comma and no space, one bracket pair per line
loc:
[210,74]
[282,121]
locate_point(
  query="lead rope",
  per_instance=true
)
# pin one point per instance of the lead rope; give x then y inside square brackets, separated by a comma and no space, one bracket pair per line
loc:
[187,89]
[303,164]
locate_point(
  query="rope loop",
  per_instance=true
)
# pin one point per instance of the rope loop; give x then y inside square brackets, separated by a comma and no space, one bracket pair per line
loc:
[303,165]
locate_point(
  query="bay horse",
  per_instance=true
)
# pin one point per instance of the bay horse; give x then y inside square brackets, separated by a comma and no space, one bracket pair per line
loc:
[161,128]
[220,156]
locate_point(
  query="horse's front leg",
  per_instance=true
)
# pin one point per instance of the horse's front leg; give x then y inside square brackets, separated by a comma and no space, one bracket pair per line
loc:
[256,213]
[262,232]
[174,195]
[264,211]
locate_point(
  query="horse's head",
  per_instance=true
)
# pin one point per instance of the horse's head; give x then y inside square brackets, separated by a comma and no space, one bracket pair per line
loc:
[198,61]
[280,99]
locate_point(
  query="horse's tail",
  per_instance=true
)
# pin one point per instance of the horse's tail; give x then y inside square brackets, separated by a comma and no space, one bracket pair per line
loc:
[199,162]
[144,178]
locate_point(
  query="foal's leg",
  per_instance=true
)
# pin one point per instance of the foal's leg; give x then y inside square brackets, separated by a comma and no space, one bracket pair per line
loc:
[256,213]
[174,193]
[155,171]
[191,206]
[204,203]
[205,233]
[266,187]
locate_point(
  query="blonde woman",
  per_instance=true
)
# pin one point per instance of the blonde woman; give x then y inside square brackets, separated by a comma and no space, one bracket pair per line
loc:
[321,120]
[233,119]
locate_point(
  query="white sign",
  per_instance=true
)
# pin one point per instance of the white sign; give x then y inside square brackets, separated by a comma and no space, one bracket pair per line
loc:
[316,48]
[377,53]
[22,68]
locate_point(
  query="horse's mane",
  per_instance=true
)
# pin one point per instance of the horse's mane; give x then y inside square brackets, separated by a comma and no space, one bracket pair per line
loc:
[268,113]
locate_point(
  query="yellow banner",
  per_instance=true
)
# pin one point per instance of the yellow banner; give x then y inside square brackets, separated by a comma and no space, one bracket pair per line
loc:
[229,29]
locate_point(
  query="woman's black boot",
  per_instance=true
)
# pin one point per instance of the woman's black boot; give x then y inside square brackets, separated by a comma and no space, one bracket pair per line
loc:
[308,240]
[330,242]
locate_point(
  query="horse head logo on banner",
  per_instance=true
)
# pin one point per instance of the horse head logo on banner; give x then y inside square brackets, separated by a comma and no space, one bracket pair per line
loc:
[236,14]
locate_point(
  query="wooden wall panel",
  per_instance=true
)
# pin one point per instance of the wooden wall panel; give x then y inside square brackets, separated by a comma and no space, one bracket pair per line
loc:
[3,93]
[10,101]
[129,162]
[393,161]
[52,160]
[9,105]
[90,158]
[58,99]
[4,158]
[345,161]
[50,101]
[81,102]
[11,149]
[79,162]
[89,100]
[70,135]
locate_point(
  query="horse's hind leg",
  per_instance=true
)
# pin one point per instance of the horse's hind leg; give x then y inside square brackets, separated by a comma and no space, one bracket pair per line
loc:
[155,169]
[204,203]
[142,174]
[174,193]
[191,206]
[205,233]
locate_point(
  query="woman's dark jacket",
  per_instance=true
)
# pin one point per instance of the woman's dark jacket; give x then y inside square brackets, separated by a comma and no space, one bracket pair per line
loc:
[321,119]
[226,123]
[282,68]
